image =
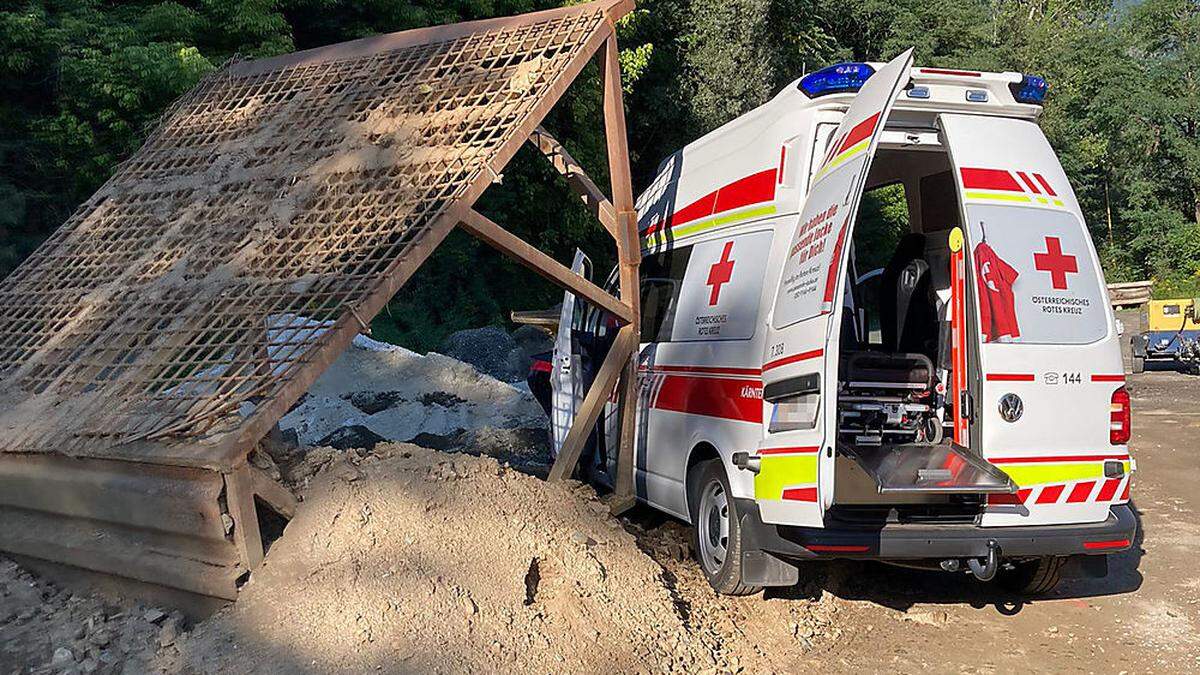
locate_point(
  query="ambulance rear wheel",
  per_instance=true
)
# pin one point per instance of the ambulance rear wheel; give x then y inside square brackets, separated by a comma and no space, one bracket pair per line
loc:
[1032,577]
[716,529]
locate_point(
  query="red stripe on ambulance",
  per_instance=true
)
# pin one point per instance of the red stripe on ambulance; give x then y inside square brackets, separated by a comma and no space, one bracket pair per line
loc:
[727,398]
[808,494]
[798,450]
[989,179]
[753,189]
[795,358]
[1010,377]
[1080,492]
[861,132]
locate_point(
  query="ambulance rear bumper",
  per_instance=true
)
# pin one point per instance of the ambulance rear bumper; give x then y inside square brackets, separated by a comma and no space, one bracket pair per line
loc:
[938,541]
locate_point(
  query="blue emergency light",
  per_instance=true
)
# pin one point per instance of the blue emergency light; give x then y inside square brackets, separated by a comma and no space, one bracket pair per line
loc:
[836,79]
[1031,89]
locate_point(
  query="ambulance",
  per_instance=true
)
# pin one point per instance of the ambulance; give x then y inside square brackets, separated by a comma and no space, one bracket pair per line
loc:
[873,326]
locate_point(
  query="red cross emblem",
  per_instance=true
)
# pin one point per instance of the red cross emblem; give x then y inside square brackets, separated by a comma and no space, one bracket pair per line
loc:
[720,273]
[1056,263]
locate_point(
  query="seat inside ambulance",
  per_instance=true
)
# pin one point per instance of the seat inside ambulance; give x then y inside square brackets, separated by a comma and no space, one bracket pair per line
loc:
[895,421]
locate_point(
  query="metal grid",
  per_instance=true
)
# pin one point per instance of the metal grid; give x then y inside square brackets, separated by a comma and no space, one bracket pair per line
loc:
[271,202]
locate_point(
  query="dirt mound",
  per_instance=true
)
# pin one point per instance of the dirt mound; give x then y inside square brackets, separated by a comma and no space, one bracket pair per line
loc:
[410,559]
[416,560]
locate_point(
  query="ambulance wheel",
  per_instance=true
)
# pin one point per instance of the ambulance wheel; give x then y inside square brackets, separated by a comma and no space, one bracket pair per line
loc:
[716,529]
[1032,577]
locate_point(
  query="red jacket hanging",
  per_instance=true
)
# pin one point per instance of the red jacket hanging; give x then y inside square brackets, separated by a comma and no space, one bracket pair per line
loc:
[997,307]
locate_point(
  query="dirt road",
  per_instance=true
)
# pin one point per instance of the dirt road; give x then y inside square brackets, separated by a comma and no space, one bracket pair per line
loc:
[1144,617]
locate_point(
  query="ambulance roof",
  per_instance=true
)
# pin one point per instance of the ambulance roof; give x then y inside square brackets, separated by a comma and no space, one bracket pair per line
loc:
[739,171]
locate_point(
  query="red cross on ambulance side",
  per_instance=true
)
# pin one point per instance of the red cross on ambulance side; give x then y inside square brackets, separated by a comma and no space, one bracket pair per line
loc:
[720,273]
[1056,263]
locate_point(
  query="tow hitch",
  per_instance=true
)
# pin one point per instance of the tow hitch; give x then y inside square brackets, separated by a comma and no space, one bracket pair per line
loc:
[984,569]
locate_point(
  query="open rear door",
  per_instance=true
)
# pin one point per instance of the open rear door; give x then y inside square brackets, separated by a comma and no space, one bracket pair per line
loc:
[566,384]
[1048,368]
[795,479]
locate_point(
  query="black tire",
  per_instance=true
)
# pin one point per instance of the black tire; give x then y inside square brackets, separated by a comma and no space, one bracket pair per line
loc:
[1139,364]
[724,573]
[1032,577]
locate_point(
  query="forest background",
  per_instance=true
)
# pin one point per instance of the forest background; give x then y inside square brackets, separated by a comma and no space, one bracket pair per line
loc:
[82,81]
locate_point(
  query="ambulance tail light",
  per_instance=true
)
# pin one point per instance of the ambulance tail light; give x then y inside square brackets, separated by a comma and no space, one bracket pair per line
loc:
[836,79]
[1120,417]
[1031,89]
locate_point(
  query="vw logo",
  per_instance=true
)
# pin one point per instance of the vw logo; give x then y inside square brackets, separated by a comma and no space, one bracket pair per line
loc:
[1011,407]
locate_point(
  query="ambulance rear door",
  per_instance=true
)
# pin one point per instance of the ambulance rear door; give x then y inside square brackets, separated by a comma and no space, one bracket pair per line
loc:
[1048,369]
[794,483]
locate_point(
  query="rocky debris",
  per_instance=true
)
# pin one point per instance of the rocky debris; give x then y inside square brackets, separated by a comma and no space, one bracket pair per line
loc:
[45,629]
[353,436]
[371,402]
[491,350]
[396,394]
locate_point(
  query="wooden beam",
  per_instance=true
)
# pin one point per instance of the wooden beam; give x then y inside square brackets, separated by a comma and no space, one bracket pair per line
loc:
[515,247]
[593,404]
[629,254]
[239,500]
[591,194]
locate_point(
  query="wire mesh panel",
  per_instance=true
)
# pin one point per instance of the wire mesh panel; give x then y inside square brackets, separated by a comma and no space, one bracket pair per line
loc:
[268,205]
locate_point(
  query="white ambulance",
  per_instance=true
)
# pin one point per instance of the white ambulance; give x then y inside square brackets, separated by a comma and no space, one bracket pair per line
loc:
[874,326]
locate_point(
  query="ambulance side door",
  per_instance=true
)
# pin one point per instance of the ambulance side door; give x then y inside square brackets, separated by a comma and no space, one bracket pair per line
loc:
[794,483]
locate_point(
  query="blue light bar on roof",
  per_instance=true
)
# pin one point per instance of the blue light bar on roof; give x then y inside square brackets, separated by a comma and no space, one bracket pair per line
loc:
[1031,89]
[836,79]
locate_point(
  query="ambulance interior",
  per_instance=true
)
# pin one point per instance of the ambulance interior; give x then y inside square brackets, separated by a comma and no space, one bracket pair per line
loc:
[895,425]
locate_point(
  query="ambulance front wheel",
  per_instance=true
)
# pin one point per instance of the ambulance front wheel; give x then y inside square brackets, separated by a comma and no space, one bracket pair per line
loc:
[716,528]
[1032,577]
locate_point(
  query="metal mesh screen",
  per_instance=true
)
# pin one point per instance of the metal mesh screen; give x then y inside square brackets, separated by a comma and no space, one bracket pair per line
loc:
[270,202]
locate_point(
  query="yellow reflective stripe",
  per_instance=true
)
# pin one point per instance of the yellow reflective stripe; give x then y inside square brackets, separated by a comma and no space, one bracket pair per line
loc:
[1026,475]
[1001,197]
[777,472]
[843,158]
[708,224]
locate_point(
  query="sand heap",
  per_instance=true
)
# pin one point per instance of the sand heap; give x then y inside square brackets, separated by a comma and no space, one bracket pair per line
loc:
[410,559]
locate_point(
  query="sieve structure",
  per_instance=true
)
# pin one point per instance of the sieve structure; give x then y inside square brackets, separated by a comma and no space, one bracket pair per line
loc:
[269,216]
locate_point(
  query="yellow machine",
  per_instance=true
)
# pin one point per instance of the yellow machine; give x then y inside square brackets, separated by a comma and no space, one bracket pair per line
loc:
[1174,334]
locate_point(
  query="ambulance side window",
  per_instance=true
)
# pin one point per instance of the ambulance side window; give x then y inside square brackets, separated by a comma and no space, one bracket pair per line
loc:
[661,280]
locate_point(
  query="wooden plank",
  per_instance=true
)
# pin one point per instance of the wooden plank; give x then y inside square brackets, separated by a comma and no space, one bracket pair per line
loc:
[629,256]
[593,404]
[623,488]
[239,499]
[513,246]
[274,494]
[578,180]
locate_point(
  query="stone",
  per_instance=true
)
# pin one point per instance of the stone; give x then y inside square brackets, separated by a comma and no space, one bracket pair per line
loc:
[490,350]
[62,658]
[169,632]
[154,615]
[353,436]
[582,539]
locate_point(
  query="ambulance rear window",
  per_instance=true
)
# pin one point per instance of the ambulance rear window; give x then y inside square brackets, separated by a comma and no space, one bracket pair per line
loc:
[1035,279]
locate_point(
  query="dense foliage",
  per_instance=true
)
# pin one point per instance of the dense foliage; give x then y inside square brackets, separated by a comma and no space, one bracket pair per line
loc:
[81,81]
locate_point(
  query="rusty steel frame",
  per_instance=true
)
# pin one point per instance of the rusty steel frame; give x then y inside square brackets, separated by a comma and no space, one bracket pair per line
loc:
[164,329]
